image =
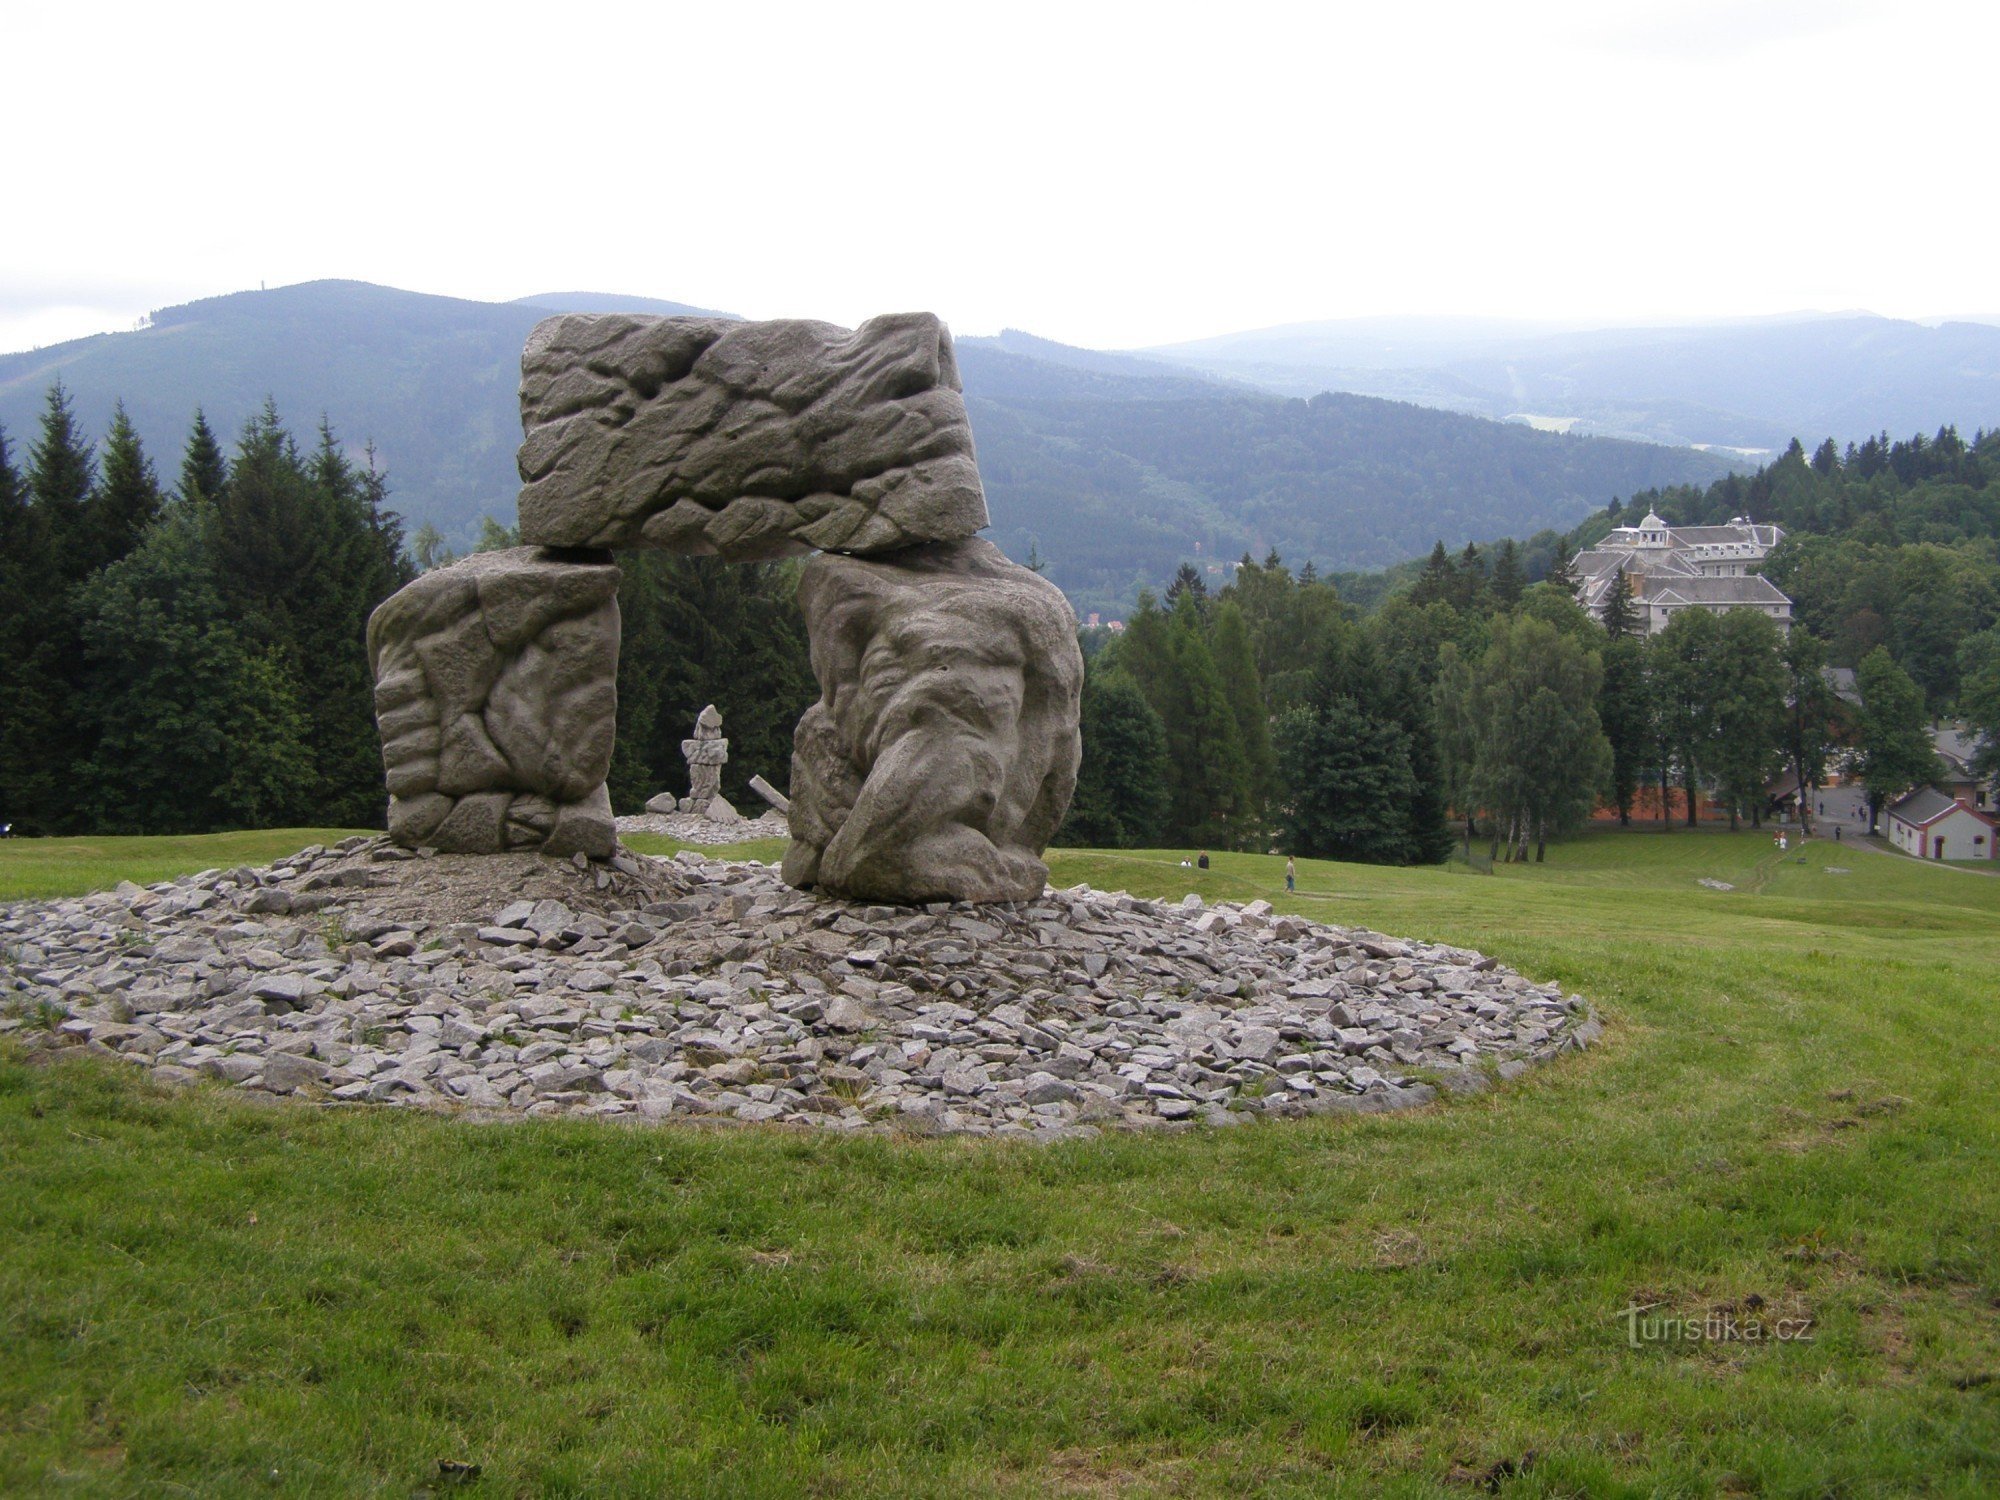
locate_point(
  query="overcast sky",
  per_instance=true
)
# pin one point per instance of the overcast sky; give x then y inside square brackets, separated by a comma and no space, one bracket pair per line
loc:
[1111,175]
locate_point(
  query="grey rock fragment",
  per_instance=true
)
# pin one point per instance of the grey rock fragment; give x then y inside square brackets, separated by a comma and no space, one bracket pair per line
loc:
[726,993]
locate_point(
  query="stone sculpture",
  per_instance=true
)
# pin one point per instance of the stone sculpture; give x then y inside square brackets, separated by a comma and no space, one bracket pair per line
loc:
[943,750]
[750,440]
[496,692]
[707,753]
[942,753]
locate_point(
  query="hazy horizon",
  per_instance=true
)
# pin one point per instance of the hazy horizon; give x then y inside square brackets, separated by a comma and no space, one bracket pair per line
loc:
[1498,324]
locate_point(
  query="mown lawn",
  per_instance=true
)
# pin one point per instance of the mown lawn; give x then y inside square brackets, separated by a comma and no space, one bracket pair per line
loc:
[1792,1116]
[39,869]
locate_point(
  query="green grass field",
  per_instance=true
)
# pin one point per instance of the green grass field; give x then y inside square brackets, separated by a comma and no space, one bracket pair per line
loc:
[1791,1117]
[39,869]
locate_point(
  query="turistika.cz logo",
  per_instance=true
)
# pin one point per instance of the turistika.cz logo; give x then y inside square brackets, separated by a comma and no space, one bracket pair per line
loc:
[1721,1326]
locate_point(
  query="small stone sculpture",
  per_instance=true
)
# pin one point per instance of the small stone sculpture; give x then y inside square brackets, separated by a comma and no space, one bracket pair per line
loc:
[943,751]
[750,440]
[707,753]
[496,692]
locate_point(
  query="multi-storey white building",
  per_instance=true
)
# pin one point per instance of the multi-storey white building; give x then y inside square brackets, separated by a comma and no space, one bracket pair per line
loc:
[1670,568]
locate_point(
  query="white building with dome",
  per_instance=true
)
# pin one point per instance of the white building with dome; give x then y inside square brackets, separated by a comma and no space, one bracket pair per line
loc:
[1671,568]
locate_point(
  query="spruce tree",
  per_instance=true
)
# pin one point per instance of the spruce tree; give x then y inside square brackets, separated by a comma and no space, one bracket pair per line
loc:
[1348,764]
[1144,653]
[385,526]
[1621,616]
[1626,715]
[13,510]
[1507,580]
[266,546]
[1187,583]
[19,552]
[1229,643]
[1207,775]
[1121,786]
[204,471]
[125,500]
[62,470]
[1438,581]
[698,630]
[1347,778]
[195,729]
[1560,572]
[1469,587]
[43,739]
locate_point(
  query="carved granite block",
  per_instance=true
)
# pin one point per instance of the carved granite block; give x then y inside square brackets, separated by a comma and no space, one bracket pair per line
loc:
[496,695]
[751,440]
[942,753]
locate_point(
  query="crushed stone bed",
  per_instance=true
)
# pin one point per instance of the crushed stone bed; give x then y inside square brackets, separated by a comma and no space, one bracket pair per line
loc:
[695,987]
[693,828]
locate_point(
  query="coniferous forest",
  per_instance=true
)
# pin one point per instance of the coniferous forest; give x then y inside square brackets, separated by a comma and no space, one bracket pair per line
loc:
[186,654]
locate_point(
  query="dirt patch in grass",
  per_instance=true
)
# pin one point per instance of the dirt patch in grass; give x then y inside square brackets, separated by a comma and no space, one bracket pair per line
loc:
[444,889]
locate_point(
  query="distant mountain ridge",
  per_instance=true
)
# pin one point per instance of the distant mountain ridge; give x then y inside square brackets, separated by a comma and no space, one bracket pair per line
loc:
[1112,467]
[1751,384]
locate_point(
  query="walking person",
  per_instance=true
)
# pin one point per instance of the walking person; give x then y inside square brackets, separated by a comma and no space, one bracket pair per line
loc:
[1291,873]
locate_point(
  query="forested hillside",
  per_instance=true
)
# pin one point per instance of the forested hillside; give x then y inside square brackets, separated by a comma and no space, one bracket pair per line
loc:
[1112,469]
[1115,492]
[430,382]
[1889,543]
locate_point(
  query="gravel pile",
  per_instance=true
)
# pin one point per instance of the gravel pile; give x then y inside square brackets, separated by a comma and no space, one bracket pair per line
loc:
[696,987]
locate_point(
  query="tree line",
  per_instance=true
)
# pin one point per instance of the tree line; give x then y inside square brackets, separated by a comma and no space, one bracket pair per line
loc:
[185,657]
[190,656]
[1469,706]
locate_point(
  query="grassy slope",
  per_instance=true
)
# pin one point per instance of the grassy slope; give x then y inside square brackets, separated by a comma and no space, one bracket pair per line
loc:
[1794,1104]
[38,869]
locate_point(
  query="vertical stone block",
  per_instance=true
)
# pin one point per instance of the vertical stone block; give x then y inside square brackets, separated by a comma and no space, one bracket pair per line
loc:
[496,693]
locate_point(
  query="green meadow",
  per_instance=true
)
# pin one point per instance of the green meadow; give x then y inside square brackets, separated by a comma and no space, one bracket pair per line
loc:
[1790,1125]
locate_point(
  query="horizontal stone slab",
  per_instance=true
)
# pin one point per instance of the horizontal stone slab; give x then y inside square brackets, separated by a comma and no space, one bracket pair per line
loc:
[748,440]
